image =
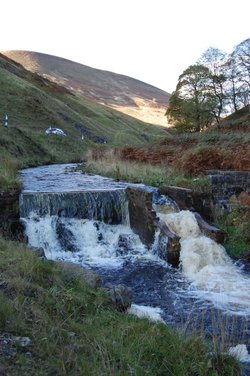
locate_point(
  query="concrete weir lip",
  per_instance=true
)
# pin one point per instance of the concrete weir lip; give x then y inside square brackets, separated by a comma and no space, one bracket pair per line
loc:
[107,206]
[65,178]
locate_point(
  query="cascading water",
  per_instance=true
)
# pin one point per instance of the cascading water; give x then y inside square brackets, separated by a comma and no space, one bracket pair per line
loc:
[87,242]
[90,226]
[106,206]
[205,263]
[84,219]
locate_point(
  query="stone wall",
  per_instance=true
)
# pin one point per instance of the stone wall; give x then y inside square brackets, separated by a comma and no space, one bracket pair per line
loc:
[226,184]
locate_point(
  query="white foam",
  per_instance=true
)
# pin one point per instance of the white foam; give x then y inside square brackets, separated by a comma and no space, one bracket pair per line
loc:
[95,242]
[240,353]
[206,264]
[182,223]
[151,313]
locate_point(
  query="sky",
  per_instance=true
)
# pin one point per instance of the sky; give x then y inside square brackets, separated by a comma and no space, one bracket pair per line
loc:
[153,41]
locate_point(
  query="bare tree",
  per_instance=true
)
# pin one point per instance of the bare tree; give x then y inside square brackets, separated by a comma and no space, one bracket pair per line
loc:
[214,59]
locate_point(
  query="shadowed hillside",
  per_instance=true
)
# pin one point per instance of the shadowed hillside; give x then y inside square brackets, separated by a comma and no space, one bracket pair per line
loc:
[125,94]
[33,103]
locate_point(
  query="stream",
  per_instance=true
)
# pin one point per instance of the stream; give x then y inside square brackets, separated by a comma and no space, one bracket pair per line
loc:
[84,219]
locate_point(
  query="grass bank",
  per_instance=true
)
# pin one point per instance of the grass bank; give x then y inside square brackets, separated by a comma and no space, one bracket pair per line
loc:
[236,225]
[72,330]
[109,162]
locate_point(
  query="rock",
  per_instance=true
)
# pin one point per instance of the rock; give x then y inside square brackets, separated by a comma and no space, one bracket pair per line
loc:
[3,285]
[22,341]
[39,251]
[169,244]
[183,196]
[73,271]
[125,244]
[141,214]
[190,200]
[245,261]
[65,236]
[246,256]
[120,296]
[210,231]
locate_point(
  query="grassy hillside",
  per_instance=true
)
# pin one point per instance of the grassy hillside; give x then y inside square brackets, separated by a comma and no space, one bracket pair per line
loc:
[34,103]
[126,94]
[196,152]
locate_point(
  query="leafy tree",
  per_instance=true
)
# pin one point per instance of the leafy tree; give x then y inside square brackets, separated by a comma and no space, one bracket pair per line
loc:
[217,84]
[192,105]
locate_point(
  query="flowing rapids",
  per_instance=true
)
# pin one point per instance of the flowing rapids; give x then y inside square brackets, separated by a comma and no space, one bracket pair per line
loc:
[206,264]
[88,242]
[84,219]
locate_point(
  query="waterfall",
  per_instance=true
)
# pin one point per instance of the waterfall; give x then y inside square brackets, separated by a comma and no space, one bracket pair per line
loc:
[84,219]
[212,273]
[91,227]
[108,206]
[83,227]
[83,241]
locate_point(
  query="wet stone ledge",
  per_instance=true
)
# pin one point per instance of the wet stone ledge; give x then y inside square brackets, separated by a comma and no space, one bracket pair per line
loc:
[141,214]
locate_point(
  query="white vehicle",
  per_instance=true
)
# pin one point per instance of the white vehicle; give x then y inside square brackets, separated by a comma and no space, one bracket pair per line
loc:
[58,131]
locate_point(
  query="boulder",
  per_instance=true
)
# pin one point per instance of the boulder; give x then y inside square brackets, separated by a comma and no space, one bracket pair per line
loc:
[74,271]
[120,296]
[183,196]
[245,261]
[39,251]
[141,214]
[125,244]
[22,341]
[187,199]
[211,232]
[65,236]
[169,244]
[246,256]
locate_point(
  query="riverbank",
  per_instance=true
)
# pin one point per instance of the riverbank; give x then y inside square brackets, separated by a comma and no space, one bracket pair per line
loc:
[64,325]
[71,328]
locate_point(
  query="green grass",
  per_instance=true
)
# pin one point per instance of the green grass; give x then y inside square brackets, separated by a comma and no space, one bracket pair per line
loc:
[74,331]
[108,163]
[33,104]
[236,225]
[8,172]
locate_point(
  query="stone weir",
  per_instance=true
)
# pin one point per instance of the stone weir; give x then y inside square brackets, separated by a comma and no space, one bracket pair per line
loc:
[108,206]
